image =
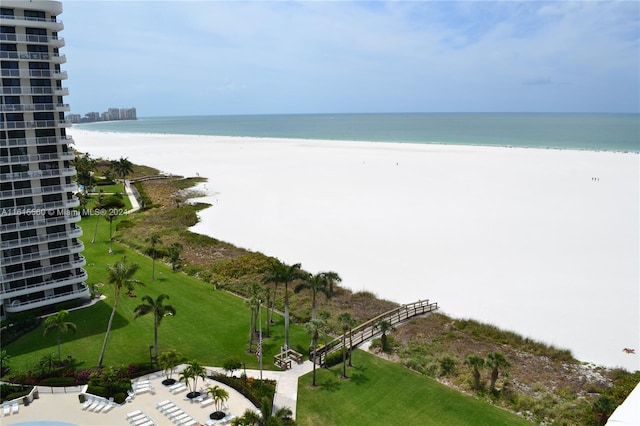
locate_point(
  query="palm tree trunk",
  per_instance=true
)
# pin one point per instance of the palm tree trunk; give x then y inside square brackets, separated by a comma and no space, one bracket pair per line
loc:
[59,356]
[286,315]
[106,336]
[156,324]
[344,356]
[95,231]
[313,304]
[315,344]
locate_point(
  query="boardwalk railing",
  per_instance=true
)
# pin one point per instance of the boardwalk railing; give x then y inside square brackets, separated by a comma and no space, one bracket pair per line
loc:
[369,329]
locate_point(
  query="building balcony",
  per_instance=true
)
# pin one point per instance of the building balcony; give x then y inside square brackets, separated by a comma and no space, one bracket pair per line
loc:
[36,174]
[41,239]
[80,290]
[57,75]
[50,23]
[53,41]
[69,216]
[48,140]
[36,158]
[44,270]
[13,90]
[40,124]
[76,247]
[40,209]
[26,192]
[34,56]
[27,107]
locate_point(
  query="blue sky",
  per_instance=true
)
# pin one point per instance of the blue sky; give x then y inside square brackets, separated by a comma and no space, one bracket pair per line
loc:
[264,57]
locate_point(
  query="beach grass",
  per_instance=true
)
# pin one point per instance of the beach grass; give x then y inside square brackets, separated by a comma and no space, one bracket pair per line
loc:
[382,392]
[210,325]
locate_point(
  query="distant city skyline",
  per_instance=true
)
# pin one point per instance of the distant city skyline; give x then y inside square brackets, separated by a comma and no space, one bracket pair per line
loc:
[206,57]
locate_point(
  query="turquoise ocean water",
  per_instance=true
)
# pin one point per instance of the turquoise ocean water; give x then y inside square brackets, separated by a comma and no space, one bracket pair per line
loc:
[598,132]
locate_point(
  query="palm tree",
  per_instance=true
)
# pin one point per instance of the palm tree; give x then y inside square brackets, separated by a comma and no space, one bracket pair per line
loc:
[476,363]
[254,305]
[59,323]
[122,168]
[346,322]
[168,361]
[85,165]
[120,275]
[174,252]
[266,417]
[495,361]
[315,327]
[384,327]
[154,239]
[190,375]
[318,283]
[282,273]
[324,316]
[110,217]
[159,310]
[219,396]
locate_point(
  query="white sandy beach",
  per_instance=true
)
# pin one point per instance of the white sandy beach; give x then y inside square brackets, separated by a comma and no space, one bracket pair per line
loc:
[542,242]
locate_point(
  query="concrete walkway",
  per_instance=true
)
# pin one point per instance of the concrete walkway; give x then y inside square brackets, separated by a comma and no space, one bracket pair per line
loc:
[132,193]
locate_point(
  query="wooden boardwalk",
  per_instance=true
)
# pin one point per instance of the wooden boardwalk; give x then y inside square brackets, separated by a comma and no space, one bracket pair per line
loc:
[369,329]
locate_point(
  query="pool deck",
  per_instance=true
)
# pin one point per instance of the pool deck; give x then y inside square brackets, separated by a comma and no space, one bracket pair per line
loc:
[63,404]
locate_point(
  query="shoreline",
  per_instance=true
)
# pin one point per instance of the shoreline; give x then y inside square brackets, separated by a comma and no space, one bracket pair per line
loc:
[356,141]
[424,203]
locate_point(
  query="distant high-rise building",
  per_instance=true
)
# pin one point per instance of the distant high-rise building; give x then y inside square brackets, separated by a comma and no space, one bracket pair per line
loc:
[40,261]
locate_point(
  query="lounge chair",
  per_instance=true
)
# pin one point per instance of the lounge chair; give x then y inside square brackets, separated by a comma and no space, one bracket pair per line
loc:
[206,402]
[190,422]
[6,409]
[227,419]
[133,414]
[109,406]
[87,403]
[165,403]
[101,405]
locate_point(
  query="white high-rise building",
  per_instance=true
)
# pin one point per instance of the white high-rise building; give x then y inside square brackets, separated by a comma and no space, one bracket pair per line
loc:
[40,262]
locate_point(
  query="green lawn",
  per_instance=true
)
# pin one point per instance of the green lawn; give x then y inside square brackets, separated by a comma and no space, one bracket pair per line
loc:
[386,393]
[209,326]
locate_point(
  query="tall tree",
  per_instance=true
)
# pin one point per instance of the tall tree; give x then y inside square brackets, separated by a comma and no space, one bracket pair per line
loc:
[154,239]
[315,327]
[254,304]
[120,275]
[318,283]
[496,361]
[159,311]
[281,273]
[476,363]
[346,323]
[122,168]
[85,166]
[59,323]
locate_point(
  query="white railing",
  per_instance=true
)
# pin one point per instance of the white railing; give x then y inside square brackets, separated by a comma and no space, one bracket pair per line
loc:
[45,254]
[50,269]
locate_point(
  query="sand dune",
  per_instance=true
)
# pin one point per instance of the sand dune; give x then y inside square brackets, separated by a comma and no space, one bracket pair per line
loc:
[542,242]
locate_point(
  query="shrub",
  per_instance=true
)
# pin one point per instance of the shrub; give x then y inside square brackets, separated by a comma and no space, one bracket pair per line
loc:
[448,366]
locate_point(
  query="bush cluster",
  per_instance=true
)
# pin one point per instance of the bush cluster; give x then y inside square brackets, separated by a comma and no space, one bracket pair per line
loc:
[253,389]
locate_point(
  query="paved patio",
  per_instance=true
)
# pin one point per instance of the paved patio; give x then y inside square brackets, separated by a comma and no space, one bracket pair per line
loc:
[63,404]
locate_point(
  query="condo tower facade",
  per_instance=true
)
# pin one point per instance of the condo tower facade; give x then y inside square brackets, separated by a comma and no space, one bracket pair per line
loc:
[40,262]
